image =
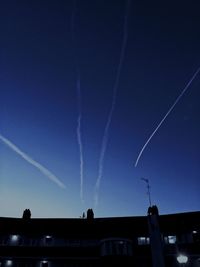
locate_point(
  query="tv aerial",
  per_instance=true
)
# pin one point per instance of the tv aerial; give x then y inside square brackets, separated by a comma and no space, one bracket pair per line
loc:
[148,189]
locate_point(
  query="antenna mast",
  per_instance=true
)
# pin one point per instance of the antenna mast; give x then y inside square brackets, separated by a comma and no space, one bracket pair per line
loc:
[148,189]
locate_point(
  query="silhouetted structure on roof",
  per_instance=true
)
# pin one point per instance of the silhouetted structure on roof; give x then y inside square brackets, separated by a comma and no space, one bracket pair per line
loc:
[26,214]
[90,214]
[153,210]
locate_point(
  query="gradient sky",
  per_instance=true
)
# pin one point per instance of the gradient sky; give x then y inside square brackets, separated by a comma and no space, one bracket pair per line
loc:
[39,111]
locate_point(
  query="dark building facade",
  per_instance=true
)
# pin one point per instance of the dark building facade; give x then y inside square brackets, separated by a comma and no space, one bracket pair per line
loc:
[150,240]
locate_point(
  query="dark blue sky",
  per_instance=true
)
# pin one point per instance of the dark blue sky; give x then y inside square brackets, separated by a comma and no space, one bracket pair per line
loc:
[38,105]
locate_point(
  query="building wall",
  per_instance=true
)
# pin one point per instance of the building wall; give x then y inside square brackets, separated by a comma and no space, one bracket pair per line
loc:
[113,242]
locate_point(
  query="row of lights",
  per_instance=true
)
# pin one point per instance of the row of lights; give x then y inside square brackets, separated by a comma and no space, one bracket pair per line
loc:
[180,258]
[15,238]
[10,262]
[172,239]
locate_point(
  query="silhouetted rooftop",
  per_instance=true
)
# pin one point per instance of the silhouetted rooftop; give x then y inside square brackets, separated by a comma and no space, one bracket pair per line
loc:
[98,227]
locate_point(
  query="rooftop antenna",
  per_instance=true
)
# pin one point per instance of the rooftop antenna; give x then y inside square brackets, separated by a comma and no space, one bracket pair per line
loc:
[148,189]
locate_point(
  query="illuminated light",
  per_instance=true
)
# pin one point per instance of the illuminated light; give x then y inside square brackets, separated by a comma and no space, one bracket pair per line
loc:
[44,262]
[143,240]
[14,238]
[9,263]
[172,239]
[48,237]
[194,232]
[182,258]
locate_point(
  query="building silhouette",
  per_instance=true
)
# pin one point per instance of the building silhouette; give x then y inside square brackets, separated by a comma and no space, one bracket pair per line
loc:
[152,240]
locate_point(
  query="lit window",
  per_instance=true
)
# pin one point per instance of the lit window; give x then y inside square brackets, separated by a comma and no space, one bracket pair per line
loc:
[196,236]
[171,239]
[14,240]
[143,240]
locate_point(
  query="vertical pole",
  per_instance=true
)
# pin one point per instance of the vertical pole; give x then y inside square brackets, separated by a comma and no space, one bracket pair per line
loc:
[149,194]
[155,238]
[148,189]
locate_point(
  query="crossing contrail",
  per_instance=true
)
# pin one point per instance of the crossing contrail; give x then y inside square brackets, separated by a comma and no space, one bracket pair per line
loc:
[31,161]
[78,92]
[166,115]
[115,87]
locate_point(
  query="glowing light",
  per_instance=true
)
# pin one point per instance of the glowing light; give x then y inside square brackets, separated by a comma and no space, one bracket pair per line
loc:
[182,258]
[9,263]
[14,238]
[172,239]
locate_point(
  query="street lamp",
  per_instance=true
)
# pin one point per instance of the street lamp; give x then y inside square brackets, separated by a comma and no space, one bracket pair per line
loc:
[182,259]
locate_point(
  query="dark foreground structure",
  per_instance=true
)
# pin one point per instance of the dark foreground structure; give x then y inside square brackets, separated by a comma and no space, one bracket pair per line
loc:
[150,240]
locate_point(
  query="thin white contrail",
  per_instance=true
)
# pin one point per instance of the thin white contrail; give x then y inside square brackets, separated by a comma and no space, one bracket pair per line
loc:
[115,87]
[79,136]
[34,163]
[78,89]
[166,115]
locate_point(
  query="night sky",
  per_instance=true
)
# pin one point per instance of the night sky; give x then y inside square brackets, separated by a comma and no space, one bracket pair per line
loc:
[65,119]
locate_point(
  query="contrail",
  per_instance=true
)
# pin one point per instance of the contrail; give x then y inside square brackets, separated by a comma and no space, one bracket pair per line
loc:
[115,87]
[34,163]
[79,136]
[166,115]
[78,89]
